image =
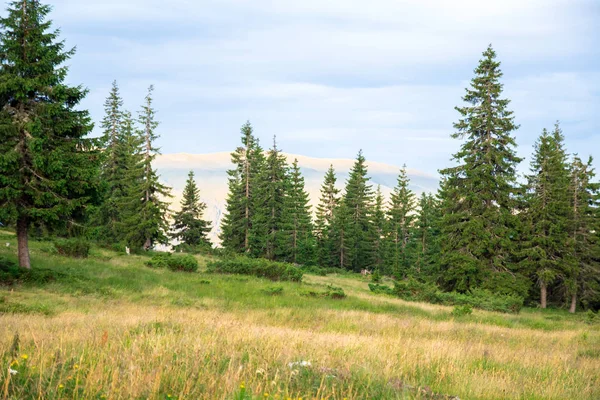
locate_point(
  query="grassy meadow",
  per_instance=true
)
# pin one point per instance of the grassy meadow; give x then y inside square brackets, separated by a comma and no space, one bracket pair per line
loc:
[108,327]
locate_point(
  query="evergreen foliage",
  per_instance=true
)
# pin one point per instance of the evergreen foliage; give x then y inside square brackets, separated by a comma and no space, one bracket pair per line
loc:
[268,230]
[188,226]
[379,226]
[547,245]
[48,168]
[150,224]
[248,161]
[357,219]
[400,220]
[426,239]
[324,234]
[479,226]
[297,219]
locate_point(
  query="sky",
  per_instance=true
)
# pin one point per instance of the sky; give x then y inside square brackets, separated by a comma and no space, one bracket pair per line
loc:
[331,77]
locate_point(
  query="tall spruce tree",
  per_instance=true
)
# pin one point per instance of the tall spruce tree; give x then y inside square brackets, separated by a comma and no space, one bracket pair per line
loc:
[48,168]
[400,219]
[248,160]
[328,202]
[267,233]
[107,216]
[189,227]
[152,220]
[583,278]
[479,226]
[358,206]
[379,227]
[426,239]
[298,221]
[547,248]
[128,200]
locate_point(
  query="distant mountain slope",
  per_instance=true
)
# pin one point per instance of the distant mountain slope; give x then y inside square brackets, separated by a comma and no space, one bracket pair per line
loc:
[211,175]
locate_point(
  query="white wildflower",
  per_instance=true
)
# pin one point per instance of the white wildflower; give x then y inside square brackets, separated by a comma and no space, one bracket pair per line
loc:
[12,371]
[299,364]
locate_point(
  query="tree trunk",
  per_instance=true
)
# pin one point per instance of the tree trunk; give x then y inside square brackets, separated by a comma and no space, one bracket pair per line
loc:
[147,244]
[573,303]
[544,290]
[23,242]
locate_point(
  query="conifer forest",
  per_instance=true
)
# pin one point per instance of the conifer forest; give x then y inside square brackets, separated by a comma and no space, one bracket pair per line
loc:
[347,296]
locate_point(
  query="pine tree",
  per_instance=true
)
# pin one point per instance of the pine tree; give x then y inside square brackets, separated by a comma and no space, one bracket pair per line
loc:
[358,204]
[328,202]
[400,219]
[546,246]
[298,220]
[379,228]
[188,226]
[426,239]
[48,168]
[478,226]
[152,220]
[248,161]
[583,279]
[267,233]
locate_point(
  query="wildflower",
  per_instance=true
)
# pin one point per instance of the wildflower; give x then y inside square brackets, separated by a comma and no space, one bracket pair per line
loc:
[169,396]
[12,371]
[266,395]
[24,356]
[15,362]
[299,364]
[76,366]
[61,386]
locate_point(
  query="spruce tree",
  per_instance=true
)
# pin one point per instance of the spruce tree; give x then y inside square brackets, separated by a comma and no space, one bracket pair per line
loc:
[151,222]
[358,206]
[400,219]
[582,280]
[328,202]
[379,227]
[297,219]
[267,233]
[426,239]
[106,216]
[248,161]
[547,249]
[189,227]
[48,168]
[479,226]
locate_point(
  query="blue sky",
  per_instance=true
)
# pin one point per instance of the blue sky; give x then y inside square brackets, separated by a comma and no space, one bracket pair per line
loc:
[331,77]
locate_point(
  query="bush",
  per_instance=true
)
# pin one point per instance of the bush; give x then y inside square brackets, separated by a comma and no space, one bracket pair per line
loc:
[77,248]
[377,288]
[376,276]
[259,267]
[333,292]
[412,290]
[591,317]
[460,311]
[273,290]
[321,271]
[174,262]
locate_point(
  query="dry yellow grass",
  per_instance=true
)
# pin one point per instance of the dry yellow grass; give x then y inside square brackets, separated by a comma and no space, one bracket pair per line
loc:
[135,351]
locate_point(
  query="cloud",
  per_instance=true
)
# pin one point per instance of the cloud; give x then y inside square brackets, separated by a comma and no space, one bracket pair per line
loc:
[330,77]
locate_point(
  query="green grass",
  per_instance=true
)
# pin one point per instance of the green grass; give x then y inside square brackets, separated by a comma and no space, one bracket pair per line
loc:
[140,332]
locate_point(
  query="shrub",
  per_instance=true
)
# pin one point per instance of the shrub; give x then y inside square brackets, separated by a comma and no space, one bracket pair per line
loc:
[376,276]
[77,248]
[174,262]
[275,271]
[591,317]
[413,290]
[273,290]
[335,292]
[332,292]
[460,311]
[377,288]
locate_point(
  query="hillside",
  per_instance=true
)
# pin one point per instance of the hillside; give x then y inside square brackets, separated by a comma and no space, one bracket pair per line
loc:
[211,175]
[109,327]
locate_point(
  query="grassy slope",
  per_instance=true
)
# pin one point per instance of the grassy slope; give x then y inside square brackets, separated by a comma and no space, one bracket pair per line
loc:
[109,326]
